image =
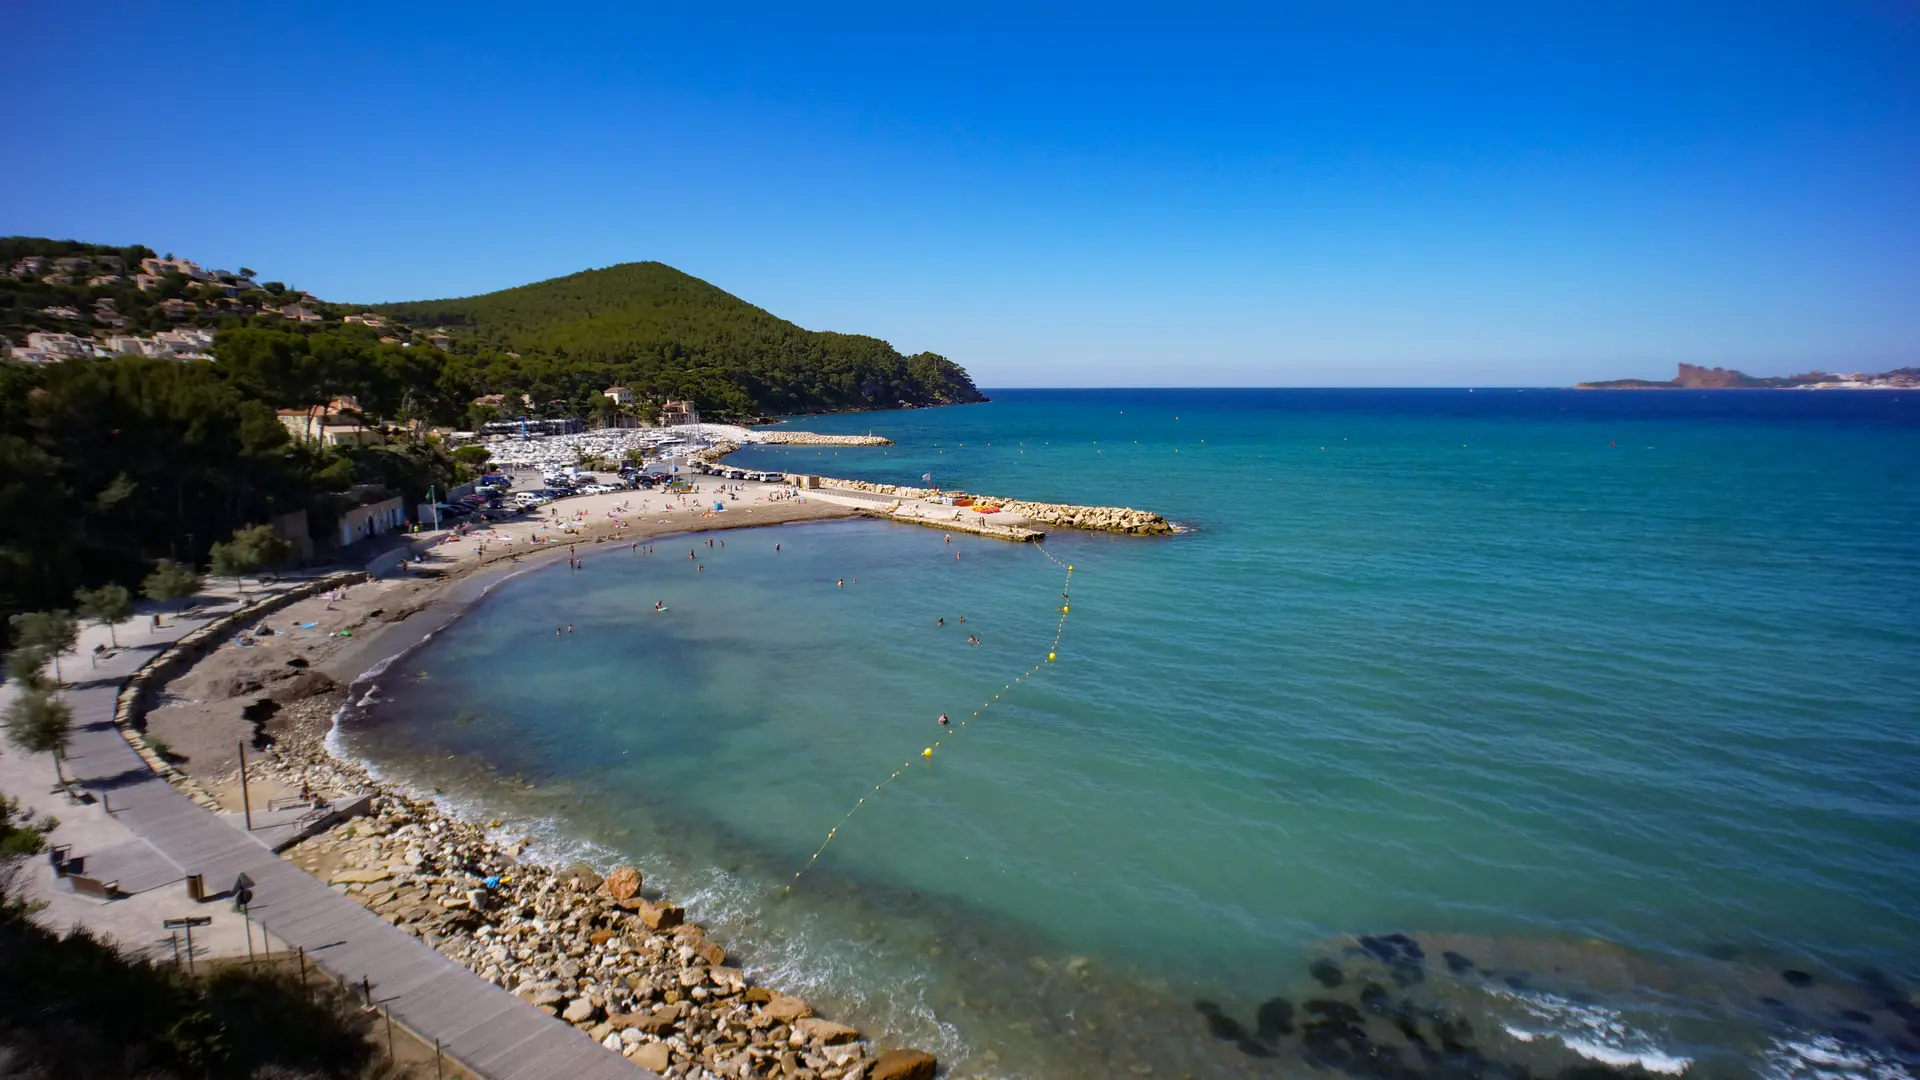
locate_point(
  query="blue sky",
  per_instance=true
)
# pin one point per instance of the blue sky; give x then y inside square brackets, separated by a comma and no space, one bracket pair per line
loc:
[1322,194]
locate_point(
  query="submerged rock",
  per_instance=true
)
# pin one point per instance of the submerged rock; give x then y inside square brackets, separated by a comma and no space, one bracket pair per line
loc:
[1326,973]
[1273,1019]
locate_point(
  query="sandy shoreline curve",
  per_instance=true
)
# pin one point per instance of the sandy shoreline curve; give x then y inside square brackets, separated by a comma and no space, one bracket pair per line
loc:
[618,961]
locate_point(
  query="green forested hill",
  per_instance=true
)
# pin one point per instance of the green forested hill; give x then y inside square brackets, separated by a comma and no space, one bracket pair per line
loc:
[666,334]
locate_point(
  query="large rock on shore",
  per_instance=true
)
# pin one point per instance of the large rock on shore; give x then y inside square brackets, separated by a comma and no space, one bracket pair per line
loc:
[623,883]
[904,1065]
[655,916]
[654,1057]
[825,1032]
[786,1009]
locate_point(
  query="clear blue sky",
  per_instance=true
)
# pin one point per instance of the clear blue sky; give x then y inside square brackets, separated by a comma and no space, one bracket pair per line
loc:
[1319,194]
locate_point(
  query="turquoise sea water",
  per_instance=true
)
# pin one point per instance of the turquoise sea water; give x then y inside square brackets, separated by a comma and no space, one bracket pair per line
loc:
[1559,724]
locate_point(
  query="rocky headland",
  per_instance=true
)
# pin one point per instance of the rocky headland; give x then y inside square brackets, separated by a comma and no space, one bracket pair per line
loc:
[1695,377]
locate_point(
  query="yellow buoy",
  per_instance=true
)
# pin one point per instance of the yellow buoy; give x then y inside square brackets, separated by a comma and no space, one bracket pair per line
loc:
[1049,658]
[928,752]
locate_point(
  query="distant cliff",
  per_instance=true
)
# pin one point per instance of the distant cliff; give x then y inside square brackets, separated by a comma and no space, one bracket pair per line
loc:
[1693,377]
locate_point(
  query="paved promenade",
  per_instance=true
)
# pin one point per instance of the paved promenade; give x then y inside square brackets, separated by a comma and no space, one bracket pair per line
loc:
[478,1024]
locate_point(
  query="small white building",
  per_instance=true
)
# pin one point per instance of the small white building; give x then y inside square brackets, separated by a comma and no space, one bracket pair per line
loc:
[60,345]
[373,519]
[620,395]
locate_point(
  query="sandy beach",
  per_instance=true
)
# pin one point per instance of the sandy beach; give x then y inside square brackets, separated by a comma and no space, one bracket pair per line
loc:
[319,645]
[620,963]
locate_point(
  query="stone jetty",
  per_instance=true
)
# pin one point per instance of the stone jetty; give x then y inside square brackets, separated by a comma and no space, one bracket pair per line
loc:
[809,438]
[1118,519]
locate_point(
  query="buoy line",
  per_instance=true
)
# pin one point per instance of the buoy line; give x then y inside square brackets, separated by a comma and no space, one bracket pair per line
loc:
[1053,651]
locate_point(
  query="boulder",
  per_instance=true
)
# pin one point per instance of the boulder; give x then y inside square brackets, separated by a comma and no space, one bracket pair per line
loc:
[654,1057]
[582,877]
[710,951]
[657,916]
[542,994]
[729,980]
[623,883]
[578,1011]
[904,1065]
[360,877]
[786,1009]
[659,1022]
[825,1032]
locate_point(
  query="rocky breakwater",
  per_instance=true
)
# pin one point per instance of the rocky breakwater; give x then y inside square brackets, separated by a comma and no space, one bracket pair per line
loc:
[713,454]
[809,438]
[1118,519]
[625,968]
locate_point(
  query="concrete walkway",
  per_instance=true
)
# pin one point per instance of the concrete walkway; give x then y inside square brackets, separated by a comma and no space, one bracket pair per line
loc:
[478,1024]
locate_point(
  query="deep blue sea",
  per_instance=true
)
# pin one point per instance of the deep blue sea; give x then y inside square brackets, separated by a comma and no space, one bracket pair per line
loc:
[1459,733]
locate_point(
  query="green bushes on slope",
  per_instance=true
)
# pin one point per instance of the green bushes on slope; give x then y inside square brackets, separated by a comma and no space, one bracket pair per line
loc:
[665,334]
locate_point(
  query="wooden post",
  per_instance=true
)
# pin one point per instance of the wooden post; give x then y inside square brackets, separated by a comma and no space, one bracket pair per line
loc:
[388,1015]
[304,985]
[366,988]
[246,802]
[438,1073]
[174,936]
[189,948]
[246,925]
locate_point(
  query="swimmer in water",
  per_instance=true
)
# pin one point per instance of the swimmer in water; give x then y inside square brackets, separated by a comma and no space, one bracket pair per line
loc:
[941,621]
[659,605]
[700,567]
[776,549]
[943,720]
[841,584]
[569,628]
[971,640]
